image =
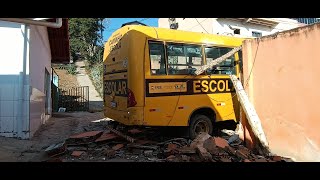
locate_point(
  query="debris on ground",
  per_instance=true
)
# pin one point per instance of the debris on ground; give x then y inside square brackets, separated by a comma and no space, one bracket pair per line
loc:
[56,149]
[134,131]
[83,138]
[141,145]
[77,153]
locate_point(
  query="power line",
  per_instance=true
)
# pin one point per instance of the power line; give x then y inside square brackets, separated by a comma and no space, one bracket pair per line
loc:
[197,24]
[201,25]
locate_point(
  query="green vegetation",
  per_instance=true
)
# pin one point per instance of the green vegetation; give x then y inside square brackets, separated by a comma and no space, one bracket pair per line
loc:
[70,68]
[86,43]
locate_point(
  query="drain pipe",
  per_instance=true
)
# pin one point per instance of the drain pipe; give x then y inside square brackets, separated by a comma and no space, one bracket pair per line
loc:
[56,24]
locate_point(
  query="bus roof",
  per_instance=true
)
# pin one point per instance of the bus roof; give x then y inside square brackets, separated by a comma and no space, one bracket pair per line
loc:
[182,36]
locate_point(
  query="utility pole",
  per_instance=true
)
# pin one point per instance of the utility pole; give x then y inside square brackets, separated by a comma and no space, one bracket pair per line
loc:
[172,23]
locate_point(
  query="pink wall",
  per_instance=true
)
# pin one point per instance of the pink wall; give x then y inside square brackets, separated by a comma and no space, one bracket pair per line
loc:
[40,58]
[283,88]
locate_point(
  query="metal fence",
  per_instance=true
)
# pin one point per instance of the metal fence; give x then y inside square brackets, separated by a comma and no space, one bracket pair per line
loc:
[74,99]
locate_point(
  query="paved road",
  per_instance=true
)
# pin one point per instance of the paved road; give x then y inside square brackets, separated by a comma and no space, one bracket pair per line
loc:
[96,102]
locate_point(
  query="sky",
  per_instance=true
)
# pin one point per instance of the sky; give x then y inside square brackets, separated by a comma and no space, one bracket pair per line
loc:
[116,23]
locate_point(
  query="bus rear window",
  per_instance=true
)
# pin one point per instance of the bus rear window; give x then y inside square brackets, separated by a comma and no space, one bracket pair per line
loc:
[157,59]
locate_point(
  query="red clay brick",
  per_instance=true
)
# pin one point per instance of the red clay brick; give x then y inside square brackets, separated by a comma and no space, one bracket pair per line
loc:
[260,160]
[210,146]
[110,153]
[134,131]
[86,134]
[77,153]
[172,147]
[224,159]
[241,154]
[185,158]
[171,158]
[106,136]
[186,150]
[220,142]
[276,158]
[117,147]
[204,154]
[199,140]
[245,151]
[142,142]
[246,160]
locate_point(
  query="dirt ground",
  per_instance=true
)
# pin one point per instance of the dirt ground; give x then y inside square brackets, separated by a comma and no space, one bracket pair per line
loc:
[66,80]
[58,128]
[96,102]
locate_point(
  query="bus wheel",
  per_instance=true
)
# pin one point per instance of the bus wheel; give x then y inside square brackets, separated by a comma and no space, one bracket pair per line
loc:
[200,123]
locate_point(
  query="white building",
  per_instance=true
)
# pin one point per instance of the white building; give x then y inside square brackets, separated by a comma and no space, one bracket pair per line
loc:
[26,53]
[240,27]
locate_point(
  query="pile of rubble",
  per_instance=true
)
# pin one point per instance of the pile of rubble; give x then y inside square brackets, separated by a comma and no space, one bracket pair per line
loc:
[145,145]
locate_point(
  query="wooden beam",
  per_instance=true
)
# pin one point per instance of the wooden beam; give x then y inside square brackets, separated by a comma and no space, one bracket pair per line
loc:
[251,114]
[217,61]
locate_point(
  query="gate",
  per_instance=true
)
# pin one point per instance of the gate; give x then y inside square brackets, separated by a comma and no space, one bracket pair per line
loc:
[74,99]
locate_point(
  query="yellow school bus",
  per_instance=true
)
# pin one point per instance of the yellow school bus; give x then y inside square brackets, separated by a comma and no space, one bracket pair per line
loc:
[149,80]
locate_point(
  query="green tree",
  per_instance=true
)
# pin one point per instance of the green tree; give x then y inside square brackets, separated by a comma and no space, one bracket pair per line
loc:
[86,38]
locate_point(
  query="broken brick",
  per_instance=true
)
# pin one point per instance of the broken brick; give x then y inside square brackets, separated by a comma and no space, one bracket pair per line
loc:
[54,160]
[199,140]
[245,151]
[134,131]
[171,158]
[56,149]
[204,154]
[277,158]
[195,158]
[229,150]
[220,142]
[117,147]
[74,148]
[136,151]
[106,136]
[86,134]
[84,138]
[172,147]
[143,142]
[246,160]
[110,153]
[241,155]
[260,160]
[224,159]
[148,153]
[210,146]
[185,158]
[186,150]
[142,147]
[77,153]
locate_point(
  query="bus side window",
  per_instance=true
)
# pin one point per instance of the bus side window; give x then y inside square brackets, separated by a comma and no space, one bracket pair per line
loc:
[225,67]
[157,64]
[183,59]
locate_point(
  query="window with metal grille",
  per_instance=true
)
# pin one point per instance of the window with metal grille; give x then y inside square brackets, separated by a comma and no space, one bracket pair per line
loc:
[256,34]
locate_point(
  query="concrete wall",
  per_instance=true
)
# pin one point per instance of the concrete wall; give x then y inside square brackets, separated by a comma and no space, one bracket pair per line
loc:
[220,26]
[283,88]
[40,59]
[14,80]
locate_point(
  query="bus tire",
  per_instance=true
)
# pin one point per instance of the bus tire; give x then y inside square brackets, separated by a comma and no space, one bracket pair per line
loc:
[200,123]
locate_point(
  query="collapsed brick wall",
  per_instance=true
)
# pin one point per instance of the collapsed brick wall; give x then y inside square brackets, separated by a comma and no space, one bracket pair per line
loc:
[284,89]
